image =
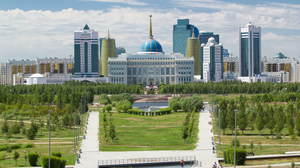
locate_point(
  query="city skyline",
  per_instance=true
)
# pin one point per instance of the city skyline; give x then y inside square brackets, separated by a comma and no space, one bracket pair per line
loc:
[44,30]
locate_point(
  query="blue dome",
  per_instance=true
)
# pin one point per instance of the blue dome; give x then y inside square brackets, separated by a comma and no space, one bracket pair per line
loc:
[150,45]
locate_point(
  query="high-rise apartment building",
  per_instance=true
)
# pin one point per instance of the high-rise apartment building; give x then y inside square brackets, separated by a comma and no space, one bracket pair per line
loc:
[181,32]
[250,50]
[193,50]
[212,61]
[204,36]
[86,52]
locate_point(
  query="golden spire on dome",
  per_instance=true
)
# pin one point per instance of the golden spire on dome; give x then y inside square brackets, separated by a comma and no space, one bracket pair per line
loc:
[150,31]
[193,35]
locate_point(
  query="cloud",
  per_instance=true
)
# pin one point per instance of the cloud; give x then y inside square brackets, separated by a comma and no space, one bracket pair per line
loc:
[37,33]
[129,2]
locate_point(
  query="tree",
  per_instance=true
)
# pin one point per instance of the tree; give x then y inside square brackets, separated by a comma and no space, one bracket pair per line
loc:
[260,122]
[112,131]
[108,107]
[4,127]
[16,156]
[41,124]
[242,117]
[271,120]
[231,115]
[126,96]
[103,99]
[15,128]
[124,105]
[298,125]
[279,120]
[59,101]
[174,103]
[185,133]
[290,119]
[223,115]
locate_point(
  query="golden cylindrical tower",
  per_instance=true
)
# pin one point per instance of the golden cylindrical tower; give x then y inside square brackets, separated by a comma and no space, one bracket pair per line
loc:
[193,50]
[108,50]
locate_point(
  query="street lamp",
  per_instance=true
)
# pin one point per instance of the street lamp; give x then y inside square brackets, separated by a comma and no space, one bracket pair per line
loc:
[25,157]
[70,67]
[74,139]
[283,145]
[49,136]
[219,133]
[235,111]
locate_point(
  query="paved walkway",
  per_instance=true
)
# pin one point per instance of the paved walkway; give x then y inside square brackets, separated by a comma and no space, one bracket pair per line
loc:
[91,155]
[90,145]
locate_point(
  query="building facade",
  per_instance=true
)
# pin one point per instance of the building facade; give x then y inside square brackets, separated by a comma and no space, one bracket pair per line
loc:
[204,36]
[249,50]
[212,61]
[86,52]
[151,66]
[181,32]
[53,65]
[108,50]
[193,50]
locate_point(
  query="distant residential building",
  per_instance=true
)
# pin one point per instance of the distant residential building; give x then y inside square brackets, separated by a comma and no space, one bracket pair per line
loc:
[181,32]
[250,50]
[53,66]
[120,50]
[86,52]
[204,36]
[278,65]
[212,61]
[225,53]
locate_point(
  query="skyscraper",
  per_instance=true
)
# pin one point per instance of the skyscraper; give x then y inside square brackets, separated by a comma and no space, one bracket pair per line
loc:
[249,50]
[86,52]
[108,50]
[193,50]
[181,32]
[204,36]
[212,60]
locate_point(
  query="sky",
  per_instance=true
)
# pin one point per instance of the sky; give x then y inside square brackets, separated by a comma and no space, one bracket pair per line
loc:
[32,29]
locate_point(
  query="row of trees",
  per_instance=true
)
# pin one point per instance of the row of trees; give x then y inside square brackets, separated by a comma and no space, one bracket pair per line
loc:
[122,102]
[111,132]
[188,125]
[259,116]
[187,103]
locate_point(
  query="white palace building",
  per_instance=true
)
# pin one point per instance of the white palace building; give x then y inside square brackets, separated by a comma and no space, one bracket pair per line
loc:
[151,66]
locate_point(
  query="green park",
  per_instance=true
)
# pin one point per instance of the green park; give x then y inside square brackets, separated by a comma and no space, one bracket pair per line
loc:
[268,119]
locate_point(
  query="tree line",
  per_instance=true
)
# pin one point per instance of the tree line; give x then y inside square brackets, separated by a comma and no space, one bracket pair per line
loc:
[259,116]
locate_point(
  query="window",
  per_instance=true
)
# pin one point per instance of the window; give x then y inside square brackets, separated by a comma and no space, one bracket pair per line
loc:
[150,70]
[157,71]
[172,71]
[167,70]
[128,71]
[144,71]
[162,71]
[139,71]
[134,71]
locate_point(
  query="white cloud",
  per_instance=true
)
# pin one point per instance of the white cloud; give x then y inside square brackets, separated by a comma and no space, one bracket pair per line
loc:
[129,2]
[36,33]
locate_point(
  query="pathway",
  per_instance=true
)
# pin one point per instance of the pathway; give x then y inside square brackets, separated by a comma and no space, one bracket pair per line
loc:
[91,155]
[90,145]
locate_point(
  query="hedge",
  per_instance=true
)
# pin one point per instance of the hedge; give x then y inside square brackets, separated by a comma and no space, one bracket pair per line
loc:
[55,162]
[57,154]
[162,111]
[33,158]
[240,156]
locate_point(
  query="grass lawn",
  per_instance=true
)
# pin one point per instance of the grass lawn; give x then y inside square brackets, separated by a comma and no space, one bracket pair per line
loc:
[61,140]
[140,133]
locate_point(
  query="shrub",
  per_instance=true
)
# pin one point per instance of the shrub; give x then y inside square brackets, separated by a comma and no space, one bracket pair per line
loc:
[240,156]
[57,154]
[293,137]
[55,162]
[28,145]
[3,147]
[33,158]
[16,146]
